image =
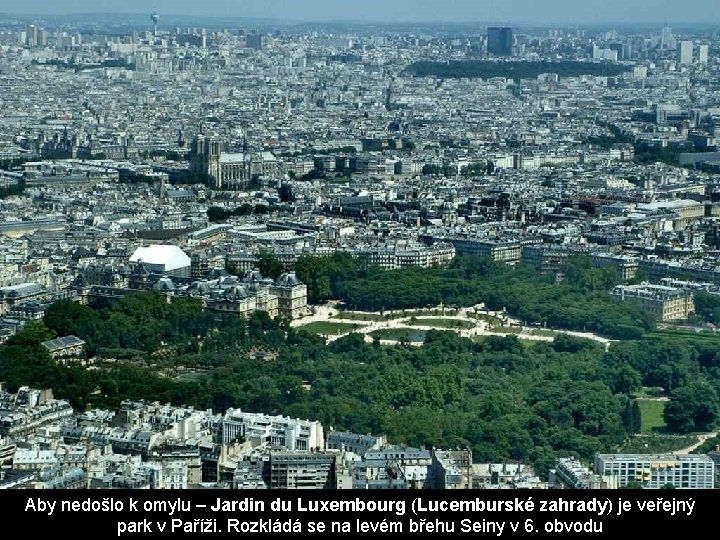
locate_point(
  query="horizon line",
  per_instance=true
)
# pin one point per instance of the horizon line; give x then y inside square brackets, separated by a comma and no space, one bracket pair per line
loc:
[276,20]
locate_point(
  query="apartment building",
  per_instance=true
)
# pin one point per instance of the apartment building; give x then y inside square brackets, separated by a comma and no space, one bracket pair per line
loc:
[653,471]
[665,303]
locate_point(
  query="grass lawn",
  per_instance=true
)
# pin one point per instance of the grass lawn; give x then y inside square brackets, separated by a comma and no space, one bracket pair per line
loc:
[329,328]
[647,392]
[507,330]
[707,337]
[400,334]
[441,323]
[492,321]
[651,415]
[192,376]
[427,313]
[352,316]
[543,332]
[656,444]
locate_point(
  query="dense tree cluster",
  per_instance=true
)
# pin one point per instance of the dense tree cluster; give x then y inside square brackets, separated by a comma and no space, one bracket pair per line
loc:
[478,169]
[707,307]
[146,322]
[8,164]
[670,156]
[501,397]
[218,214]
[269,265]
[23,361]
[693,407]
[688,369]
[582,302]
[16,189]
[504,398]
[322,275]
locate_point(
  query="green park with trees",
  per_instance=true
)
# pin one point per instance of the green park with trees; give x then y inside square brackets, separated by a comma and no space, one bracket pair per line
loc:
[580,303]
[504,398]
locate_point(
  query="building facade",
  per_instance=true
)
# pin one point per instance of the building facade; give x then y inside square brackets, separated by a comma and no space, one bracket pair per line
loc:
[291,296]
[290,433]
[665,303]
[228,170]
[653,471]
[569,473]
[302,470]
[499,251]
[452,469]
[64,347]
[500,41]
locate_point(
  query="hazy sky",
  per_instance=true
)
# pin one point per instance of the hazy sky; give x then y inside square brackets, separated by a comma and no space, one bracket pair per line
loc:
[511,11]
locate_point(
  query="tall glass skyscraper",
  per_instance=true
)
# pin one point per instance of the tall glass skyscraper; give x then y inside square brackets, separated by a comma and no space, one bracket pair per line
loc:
[500,41]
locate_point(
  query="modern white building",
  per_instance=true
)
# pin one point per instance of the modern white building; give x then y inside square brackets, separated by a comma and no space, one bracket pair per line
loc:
[600,53]
[653,471]
[163,259]
[275,431]
[686,52]
[703,54]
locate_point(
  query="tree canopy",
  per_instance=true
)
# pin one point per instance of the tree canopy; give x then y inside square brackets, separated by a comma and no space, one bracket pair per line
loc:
[693,407]
[582,302]
[504,398]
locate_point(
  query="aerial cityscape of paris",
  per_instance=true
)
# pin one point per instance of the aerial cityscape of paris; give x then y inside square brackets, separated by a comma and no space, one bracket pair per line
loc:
[328,245]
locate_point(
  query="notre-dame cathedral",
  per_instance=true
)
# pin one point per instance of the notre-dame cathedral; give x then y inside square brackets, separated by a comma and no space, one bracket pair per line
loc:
[229,170]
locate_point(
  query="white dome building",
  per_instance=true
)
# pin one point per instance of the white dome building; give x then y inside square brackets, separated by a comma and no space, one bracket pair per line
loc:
[163,259]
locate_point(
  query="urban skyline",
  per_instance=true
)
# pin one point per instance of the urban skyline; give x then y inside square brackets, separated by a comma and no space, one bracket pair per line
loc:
[518,12]
[345,256]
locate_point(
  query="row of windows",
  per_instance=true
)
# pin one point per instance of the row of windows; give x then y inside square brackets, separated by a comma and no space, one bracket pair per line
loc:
[654,466]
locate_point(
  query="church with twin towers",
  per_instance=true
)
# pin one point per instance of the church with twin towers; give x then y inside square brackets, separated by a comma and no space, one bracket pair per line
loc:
[229,170]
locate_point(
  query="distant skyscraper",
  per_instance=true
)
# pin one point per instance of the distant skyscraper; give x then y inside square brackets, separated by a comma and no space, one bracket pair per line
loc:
[600,53]
[500,41]
[254,41]
[667,40]
[32,35]
[703,53]
[686,52]
[43,37]
[619,48]
[155,18]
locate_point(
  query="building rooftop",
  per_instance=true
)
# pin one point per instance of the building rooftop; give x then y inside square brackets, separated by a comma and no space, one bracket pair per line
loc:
[170,257]
[62,343]
[655,457]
